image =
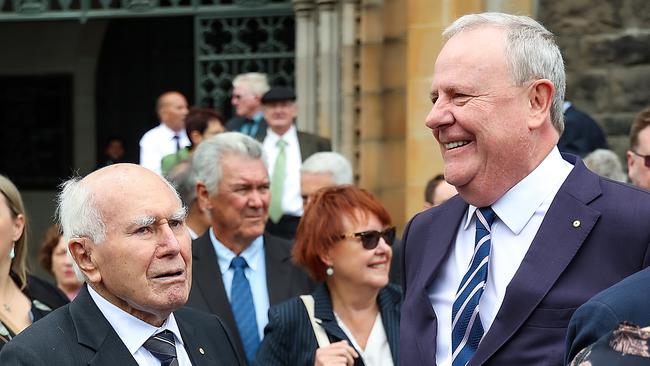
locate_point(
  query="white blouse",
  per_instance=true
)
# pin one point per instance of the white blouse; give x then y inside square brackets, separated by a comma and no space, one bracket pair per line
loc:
[377,352]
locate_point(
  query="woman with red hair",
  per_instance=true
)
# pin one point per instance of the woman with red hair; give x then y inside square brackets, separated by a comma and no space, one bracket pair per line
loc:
[344,239]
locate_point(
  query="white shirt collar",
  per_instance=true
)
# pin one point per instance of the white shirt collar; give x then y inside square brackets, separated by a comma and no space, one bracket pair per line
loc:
[517,206]
[132,331]
[566,106]
[253,254]
[171,133]
[290,137]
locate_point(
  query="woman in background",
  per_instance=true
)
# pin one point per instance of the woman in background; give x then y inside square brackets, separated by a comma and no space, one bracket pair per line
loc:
[344,239]
[54,258]
[23,298]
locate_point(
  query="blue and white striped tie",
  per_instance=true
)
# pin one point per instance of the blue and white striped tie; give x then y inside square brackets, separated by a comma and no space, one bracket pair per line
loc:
[467,329]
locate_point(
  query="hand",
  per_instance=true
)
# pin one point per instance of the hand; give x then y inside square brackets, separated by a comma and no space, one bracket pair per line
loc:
[336,354]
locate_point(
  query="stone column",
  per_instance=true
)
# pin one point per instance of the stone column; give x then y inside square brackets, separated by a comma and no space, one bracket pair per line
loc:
[349,79]
[329,86]
[306,63]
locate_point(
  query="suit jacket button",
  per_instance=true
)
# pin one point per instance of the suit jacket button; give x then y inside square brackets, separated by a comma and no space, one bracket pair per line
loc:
[576,224]
[201,351]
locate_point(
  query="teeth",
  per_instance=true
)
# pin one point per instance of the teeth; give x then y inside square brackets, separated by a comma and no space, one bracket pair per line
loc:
[378,266]
[455,144]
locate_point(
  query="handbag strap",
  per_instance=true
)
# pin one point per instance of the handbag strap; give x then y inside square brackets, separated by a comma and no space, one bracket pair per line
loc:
[319,332]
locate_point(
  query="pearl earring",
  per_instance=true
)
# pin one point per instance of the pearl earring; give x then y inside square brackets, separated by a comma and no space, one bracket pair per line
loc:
[329,271]
[12,253]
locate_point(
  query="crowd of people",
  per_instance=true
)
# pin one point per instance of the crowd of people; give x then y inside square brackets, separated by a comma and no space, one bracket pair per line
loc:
[246,242]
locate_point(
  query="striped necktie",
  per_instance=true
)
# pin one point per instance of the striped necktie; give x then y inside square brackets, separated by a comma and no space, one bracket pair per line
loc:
[243,309]
[467,329]
[163,347]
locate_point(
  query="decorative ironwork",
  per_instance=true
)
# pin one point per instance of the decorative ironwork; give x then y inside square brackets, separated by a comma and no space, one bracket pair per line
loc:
[230,45]
[22,10]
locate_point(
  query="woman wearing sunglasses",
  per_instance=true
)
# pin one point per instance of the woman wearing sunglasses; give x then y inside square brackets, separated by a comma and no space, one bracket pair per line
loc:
[344,240]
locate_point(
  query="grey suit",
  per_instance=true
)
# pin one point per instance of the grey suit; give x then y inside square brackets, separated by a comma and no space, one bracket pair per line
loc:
[284,280]
[79,334]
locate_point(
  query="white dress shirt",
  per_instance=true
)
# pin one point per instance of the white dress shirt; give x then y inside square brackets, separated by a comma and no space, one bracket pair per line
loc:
[255,273]
[291,198]
[159,142]
[377,351]
[519,214]
[134,332]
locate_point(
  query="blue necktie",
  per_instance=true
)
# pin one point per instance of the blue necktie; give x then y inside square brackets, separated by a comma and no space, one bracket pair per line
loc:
[467,329]
[243,308]
[163,347]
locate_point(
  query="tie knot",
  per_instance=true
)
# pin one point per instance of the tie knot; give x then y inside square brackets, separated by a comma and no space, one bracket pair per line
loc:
[176,137]
[487,214]
[238,263]
[162,346]
[281,143]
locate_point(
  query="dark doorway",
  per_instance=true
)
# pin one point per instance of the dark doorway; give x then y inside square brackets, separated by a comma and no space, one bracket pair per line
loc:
[139,60]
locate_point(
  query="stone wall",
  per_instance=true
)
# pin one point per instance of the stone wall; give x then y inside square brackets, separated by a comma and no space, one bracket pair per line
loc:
[606,48]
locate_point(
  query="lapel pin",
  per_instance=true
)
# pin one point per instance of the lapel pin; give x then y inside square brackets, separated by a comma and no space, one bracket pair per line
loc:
[201,351]
[576,223]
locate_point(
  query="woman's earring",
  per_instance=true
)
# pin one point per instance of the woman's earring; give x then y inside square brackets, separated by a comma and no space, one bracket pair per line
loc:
[329,271]
[12,253]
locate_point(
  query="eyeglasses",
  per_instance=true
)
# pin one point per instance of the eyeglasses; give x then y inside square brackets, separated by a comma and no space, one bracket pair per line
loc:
[370,239]
[646,158]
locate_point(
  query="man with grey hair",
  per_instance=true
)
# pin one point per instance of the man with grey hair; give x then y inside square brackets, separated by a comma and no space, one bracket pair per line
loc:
[247,93]
[492,276]
[323,169]
[239,269]
[198,217]
[130,243]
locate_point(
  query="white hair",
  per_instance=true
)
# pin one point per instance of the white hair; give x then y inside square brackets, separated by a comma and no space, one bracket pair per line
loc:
[206,160]
[78,213]
[530,51]
[329,162]
[255,81]
[605,163]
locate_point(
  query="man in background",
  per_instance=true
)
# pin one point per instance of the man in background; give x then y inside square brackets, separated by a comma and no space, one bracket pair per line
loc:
[638,157]
[169,136]
[323,169]
[247,93]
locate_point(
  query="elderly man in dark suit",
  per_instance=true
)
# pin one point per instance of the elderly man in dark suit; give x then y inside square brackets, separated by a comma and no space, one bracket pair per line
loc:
[286,149]
[239,270]
[130,243]
[493,275]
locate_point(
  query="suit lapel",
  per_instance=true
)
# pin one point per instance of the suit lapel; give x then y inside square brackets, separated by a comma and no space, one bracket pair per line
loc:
[439,239]
[307,145]
[278,270]
[557,241]
[211,284]
[96,333]
[389,304]
[193,348]
[324,313]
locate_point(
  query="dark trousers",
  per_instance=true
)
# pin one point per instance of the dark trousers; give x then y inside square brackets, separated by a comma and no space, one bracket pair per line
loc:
[285,228]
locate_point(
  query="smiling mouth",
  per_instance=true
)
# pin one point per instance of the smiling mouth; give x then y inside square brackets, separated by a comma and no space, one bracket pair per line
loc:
[455,144]
[378,265]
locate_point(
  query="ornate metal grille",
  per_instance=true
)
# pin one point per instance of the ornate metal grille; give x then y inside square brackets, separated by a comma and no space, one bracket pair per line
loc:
[227,45]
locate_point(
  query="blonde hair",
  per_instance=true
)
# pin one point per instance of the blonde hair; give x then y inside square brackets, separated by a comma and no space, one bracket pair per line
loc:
[15,204]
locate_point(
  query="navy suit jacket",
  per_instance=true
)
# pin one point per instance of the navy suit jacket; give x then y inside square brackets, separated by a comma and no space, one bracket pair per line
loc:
[289,337]
[79,334]
[284,280]
[628,300]
[564,267]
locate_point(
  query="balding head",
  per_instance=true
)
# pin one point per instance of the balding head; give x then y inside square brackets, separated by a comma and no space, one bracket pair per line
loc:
[172,109]
[125,230]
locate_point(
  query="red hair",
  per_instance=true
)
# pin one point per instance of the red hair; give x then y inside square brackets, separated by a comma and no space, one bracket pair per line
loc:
[321,226]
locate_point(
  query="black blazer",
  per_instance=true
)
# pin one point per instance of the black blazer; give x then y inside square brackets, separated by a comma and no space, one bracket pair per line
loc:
[235,123]
[284,280]
[289,338]
[79,334]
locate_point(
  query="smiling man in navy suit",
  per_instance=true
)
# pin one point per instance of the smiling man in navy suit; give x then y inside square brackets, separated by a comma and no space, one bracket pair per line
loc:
[493,275]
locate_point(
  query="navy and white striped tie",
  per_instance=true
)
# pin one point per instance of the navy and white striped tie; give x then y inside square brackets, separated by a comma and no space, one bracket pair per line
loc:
[163,347]
[467,329]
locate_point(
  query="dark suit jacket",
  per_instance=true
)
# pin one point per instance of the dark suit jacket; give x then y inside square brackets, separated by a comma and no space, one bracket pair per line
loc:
[78,334]
[628,300]
[284,280]
[289,337]
[311,144]
[563,268]
[235,123]
[581,135]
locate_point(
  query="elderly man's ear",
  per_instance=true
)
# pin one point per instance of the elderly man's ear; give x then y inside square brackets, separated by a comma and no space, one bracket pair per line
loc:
[540,99]
[203,196]
[81,251]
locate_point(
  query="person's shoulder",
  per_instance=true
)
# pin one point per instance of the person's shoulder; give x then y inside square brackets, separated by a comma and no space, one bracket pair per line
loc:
[277,242]
[44,292]
[53,328]
[288,311]
[626,293]
[151,134]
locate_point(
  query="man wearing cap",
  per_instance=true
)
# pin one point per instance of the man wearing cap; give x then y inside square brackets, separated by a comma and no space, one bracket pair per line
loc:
[286,149]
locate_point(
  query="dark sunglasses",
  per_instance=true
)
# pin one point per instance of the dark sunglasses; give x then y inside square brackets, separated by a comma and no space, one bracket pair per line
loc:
[646,158]
[370,239]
